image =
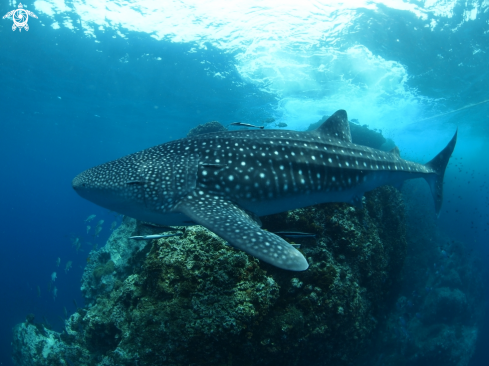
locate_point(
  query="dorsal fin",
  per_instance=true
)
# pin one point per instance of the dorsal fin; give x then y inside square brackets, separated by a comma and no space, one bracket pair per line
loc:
[396,151]
[337,126]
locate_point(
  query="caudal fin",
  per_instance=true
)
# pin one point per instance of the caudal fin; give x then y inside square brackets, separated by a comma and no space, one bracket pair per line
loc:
[439,164]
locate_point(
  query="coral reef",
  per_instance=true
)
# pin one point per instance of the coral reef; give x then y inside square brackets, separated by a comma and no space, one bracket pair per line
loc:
[115,261]
[35,344]
[194,300]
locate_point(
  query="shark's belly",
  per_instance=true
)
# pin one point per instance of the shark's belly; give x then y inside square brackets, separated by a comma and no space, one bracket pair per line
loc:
[281,204]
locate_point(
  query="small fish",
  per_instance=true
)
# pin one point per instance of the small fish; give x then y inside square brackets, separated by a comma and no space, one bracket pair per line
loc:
[90,218]
[281,124]
[100,223]
[77,244]
[65,312]
[294,234]
[245,125]
[53,276]
[156,236]
[88,228]
[113,226]
[58,261]
[55,293]
[68,266]
[94,245]
[269,120]
[159,227]
[98,229]
[38,291]
[354,120]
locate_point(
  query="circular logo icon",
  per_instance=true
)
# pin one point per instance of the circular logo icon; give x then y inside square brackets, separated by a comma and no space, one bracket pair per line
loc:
[20,18]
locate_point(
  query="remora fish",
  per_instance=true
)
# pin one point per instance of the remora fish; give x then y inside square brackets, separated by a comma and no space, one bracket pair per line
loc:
[242,124]
[155,236]
[214,179]
[295,234]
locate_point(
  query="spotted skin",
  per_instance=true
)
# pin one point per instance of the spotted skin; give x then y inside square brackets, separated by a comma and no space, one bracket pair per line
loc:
[218,179]
[234,225]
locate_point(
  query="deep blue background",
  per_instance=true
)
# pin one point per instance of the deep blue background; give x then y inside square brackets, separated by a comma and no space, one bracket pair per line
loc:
[67,103]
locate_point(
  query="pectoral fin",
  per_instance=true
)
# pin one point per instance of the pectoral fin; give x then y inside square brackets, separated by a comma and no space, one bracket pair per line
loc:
[232,224]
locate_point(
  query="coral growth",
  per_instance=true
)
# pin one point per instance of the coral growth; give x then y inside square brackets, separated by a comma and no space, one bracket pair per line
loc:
[196,300]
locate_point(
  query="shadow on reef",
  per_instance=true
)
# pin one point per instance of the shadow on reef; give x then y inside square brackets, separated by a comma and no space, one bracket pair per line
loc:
[194,300]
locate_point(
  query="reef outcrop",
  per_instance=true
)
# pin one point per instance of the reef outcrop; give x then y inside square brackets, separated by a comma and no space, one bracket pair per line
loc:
[194,300]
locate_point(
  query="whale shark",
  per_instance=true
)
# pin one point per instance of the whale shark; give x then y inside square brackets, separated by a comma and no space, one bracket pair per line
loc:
[224,181]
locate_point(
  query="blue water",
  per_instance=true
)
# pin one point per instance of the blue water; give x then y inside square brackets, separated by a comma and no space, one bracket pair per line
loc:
[93,81]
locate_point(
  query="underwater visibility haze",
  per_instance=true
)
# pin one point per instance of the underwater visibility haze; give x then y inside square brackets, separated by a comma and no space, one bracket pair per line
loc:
[251,165]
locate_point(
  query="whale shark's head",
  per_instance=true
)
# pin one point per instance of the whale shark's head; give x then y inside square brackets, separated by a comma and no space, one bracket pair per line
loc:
[109,185]
[143,185]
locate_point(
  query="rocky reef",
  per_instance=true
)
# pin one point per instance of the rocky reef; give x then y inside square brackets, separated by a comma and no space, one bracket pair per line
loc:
[194,300]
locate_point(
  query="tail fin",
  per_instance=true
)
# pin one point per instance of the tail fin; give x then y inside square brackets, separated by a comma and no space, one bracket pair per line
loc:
[439,164]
